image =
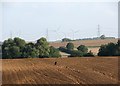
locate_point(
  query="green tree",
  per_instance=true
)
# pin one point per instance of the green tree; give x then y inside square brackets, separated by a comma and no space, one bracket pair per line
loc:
[11,52]
[70,46]
[111,48]
[30,51]
[76,53]
[103,50]
[15,52]
[82,48]
[108,50]
[43,46]
[19,42]
[8,43]
[12,48]
[6,53]
[54,52]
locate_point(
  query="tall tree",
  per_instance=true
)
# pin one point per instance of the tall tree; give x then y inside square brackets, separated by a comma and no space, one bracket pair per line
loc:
[43,46]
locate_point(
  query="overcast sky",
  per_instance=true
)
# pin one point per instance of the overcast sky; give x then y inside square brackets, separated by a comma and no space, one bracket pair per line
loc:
[30,20]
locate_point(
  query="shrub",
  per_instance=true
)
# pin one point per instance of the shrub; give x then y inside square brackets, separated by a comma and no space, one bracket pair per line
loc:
[111,49]
[70,46]
[76,53]
[54,52]
[82,48]
[64,49]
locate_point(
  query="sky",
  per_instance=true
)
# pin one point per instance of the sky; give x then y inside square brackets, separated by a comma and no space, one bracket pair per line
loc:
[56,20]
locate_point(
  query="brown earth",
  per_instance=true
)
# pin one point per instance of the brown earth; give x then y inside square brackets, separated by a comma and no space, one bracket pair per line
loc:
[94,50]
[85,42]
[97,70]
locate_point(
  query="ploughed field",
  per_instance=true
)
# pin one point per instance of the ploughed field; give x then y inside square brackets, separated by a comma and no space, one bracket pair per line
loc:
[97,70]
[93,43]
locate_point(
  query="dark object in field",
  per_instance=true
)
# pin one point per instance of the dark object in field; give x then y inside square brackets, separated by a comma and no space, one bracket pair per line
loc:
[55,63]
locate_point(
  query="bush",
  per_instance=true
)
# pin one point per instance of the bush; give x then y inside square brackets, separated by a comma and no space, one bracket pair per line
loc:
[70,46]
[111,49]
[76,53]
[54,52]
[103,50]
[64,49]
[82,48]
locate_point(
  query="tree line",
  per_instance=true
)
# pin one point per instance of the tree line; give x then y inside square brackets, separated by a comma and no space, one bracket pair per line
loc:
[18,48]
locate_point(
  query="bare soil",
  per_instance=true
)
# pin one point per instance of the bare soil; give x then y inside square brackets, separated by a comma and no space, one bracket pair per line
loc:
[94,50]
[88,70]
[85,42]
